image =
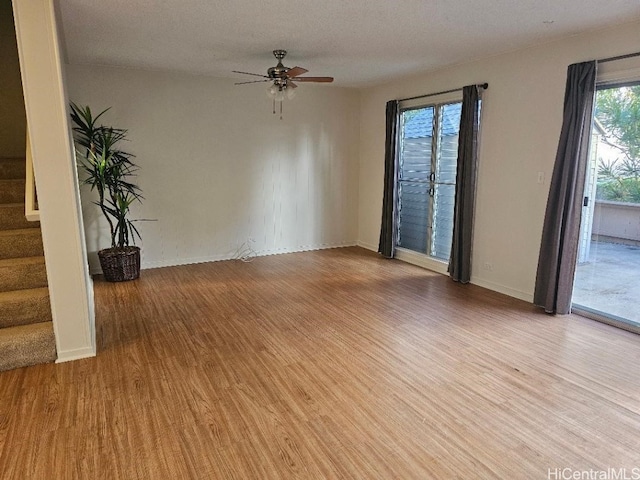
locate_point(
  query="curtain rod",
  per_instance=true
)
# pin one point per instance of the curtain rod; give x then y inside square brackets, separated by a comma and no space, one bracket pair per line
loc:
[481,85]
[619,57]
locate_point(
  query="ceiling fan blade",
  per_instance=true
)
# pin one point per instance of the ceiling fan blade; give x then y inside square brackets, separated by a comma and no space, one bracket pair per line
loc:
[291,84]
[247,73]
[295,71]
[314,79]
[253,81]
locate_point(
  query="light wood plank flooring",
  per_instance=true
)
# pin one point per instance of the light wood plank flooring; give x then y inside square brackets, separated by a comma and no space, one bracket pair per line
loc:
[334,364]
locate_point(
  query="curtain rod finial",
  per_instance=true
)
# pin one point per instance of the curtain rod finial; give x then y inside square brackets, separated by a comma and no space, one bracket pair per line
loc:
[485,85]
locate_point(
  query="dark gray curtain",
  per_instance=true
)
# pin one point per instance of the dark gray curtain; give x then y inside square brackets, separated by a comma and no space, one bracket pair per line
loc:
[561,229]
[460,259]
[387,243]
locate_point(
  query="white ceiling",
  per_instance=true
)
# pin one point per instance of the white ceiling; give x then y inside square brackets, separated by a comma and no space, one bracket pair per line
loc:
[359,42]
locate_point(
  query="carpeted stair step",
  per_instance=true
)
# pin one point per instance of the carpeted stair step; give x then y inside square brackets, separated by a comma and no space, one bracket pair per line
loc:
[12,191]
[11,168]
[22,273]
[27,345]
[12,217]
[23,307]
[24,242]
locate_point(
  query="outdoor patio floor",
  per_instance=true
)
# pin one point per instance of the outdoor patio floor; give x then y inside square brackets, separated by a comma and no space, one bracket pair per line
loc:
[610,281]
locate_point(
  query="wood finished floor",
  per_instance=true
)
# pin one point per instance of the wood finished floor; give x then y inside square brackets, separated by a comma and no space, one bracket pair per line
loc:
[334,364]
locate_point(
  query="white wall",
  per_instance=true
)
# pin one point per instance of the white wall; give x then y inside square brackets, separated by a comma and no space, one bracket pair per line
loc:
[218,168]
[70,286]
[522,116]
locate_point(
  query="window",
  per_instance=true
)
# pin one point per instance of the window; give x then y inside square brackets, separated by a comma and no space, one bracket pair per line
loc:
[427,160]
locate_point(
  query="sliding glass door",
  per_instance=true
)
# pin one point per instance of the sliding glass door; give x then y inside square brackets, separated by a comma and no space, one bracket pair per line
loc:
[607,282]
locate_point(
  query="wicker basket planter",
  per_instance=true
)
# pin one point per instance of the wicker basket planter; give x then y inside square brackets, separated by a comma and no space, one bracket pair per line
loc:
[120,264]
[109,172]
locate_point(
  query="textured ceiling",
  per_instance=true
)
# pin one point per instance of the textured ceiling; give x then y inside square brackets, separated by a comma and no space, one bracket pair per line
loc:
[359,42]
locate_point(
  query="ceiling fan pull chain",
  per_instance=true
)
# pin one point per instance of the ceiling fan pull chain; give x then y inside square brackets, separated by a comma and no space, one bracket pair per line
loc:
[281,110]
[274,106]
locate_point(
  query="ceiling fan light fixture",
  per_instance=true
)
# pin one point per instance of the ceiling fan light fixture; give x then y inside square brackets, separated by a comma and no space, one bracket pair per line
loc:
[279,92]
[272,91]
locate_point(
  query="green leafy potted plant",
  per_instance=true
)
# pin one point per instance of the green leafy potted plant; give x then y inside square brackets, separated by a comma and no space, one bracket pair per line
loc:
[108,171]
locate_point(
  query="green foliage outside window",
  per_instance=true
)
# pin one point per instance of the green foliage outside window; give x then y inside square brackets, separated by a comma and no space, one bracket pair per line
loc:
[618,111]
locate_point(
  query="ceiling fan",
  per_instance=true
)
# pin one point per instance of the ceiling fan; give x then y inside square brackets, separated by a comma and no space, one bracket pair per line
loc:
[282,80]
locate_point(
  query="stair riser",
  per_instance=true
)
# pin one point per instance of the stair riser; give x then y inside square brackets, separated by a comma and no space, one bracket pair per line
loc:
[12,217]
[21,245]
[12,168]
[27,345]
[24,307]
[11,191]
[18,277]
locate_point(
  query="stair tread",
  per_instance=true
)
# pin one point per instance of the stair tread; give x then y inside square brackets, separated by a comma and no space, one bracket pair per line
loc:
[26,345]
[20,243]
[12,190]
[12,216]
[22,273]
[21,261]
[24,293]
[13,168]
[25,330]
[20,231]
[22,307]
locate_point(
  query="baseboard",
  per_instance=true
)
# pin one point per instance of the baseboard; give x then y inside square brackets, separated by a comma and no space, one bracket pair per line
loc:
[184,261]
[368,246]
[441,267]
[77,354]
[230,256]
[279,251]
[511,292]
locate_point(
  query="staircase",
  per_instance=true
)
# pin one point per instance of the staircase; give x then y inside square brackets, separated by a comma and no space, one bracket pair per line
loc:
[26,329]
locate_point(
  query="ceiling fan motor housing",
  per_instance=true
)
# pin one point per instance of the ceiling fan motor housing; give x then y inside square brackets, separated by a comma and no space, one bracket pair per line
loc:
[279,71]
